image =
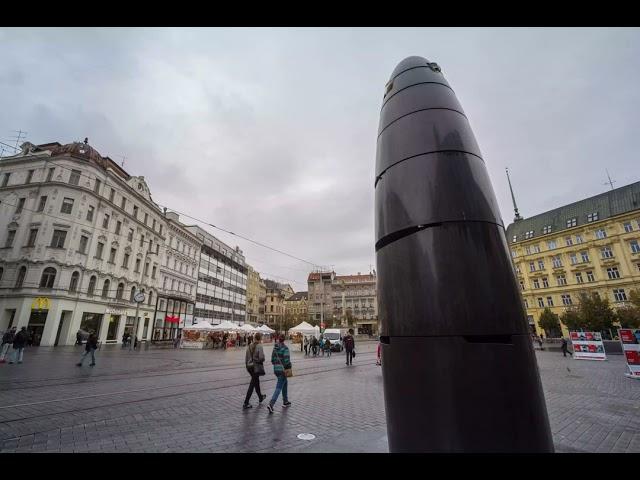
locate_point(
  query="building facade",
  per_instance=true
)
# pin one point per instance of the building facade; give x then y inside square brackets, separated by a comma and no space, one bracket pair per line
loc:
[295,308]
[320,301]
[276,294]
[256,297]
[178,280]
[221,293]
[355,302]
[81,237]
[590,246]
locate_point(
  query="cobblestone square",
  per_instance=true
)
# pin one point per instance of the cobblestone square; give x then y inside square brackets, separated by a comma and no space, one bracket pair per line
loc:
[190,401]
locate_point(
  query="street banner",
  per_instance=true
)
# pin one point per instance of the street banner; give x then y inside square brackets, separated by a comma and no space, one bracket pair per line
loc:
[587,346]
[630,339]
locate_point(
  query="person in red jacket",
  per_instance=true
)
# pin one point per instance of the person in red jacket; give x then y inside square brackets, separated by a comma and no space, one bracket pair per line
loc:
[379,360]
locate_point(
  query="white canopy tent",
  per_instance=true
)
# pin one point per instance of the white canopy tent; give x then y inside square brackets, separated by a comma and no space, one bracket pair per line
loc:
[247,328]
[204,325]
[305,329]
[265,329]
[226,326]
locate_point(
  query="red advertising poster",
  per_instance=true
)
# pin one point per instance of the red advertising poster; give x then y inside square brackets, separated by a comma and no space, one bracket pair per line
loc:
[630,339]
[633,358]
[587,346]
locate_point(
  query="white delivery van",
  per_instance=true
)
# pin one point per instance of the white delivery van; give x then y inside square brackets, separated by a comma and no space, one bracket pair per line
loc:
[335,337]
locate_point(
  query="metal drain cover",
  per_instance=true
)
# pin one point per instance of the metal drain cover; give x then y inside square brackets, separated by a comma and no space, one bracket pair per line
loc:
[306,436]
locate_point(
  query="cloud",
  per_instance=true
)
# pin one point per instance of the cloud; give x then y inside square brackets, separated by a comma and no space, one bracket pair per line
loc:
[271,133]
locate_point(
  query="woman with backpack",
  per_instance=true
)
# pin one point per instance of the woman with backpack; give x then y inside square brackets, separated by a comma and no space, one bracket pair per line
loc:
[281,361]
[254,361]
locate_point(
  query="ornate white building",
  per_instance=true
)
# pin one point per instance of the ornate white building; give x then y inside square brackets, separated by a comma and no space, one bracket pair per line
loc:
[178,279]
[78,236]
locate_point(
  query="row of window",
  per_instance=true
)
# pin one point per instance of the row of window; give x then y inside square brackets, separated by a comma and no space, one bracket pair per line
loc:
[181,267]
[619,295]
[182,286]
[74,179]
[612,273]
[606,253]
[219,283]
[212,314]
[209,300]
[600,233]
[182,247]
[48,278]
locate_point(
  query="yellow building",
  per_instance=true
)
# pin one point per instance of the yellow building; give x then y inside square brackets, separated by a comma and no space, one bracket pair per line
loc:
[588,246]
[295,309]
[276,293]
[256,293]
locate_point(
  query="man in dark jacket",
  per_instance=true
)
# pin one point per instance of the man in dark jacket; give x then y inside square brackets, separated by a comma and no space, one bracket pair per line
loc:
[349,346]
[7,340]
[564,346]
[90,347]
[19,342]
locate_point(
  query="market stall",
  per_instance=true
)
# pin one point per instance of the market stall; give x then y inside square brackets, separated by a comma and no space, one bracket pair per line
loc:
[267,333]
[196,336]
[229,328]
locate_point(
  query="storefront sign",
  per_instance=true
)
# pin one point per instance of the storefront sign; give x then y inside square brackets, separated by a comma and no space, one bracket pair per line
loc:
[40,303]
[587,346]
[630,339]
[116,311]
[172,319]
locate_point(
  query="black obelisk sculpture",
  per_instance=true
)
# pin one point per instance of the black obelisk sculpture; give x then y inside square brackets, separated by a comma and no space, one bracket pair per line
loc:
[460,374]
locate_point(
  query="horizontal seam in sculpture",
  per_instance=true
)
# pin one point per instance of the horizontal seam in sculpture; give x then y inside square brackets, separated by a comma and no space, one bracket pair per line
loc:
[412,68]
[405,232]
[386,100]
[378,177]
[422,110]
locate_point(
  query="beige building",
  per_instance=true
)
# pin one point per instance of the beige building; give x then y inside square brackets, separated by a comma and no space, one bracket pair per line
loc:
[592,246]
[295,309]
[355,302]
[320,303]
[276,293]
[256,297]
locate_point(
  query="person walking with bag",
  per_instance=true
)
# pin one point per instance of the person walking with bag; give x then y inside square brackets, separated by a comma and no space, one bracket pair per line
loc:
[254,361]
[90,348]
[281,361]
[7,340]
[350,347]
[19,342]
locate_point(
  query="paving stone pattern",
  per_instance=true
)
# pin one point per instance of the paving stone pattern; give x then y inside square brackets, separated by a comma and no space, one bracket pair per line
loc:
[190,401]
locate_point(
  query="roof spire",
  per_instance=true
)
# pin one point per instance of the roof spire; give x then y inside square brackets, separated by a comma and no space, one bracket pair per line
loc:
[517,218]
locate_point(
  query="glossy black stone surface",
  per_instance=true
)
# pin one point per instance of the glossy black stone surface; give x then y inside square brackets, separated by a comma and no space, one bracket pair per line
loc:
[459,370]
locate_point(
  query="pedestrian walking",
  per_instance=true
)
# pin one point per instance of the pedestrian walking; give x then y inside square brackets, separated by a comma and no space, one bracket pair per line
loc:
[125,338]
[254,361]
[7,341]
[224,341]
[349,346]
[19,342]
[306,346]
[379,358]
[281,361]
[176,342]
[327,346]
[90,348]
[79,337]
[540,342]
[564,346]
[322,345]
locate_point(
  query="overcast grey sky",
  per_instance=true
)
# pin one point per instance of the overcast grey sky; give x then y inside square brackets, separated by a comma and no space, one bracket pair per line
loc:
[272,132]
